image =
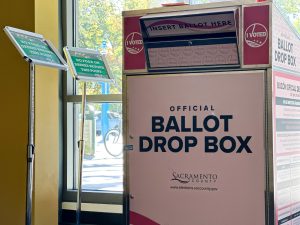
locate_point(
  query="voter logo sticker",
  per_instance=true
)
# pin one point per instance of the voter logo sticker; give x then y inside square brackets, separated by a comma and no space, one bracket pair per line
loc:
[256,35]
[134,43]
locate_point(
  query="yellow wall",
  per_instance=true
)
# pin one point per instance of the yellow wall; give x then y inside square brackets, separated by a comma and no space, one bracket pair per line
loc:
[47,126]
[40,16]
[13,113]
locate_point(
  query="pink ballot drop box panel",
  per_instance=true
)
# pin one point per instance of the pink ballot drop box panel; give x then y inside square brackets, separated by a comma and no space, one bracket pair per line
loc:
[176,174]
[212,118]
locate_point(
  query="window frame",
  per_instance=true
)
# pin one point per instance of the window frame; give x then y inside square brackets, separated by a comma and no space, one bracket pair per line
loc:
[69,31]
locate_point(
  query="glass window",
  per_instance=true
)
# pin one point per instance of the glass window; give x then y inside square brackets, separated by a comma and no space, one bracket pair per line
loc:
[291,9]
[97,25]
[102,164]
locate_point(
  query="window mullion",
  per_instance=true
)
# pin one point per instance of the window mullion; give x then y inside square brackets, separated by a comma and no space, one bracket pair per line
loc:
[95,98]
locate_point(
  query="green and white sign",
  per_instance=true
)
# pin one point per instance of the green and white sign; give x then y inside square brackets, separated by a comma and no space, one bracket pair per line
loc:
[87,65]
[90,66]
[34,48]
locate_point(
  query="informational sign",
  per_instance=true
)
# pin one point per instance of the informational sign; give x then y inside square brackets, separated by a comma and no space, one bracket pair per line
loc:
[188,23]
[87,65]
[286,44]
[104,47]
[34,48]
[134,54]
[197,151]
[256,35]
[286,148]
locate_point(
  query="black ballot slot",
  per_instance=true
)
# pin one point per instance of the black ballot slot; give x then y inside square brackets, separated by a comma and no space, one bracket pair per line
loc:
[191,40]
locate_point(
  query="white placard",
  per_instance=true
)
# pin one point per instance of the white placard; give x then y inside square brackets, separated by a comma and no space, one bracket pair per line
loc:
[198,155]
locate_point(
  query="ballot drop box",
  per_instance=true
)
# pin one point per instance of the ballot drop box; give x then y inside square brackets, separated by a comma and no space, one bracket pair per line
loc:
[211,115]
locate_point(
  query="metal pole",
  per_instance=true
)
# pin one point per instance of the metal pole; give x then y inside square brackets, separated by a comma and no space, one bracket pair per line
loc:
[81,151]
[30,146]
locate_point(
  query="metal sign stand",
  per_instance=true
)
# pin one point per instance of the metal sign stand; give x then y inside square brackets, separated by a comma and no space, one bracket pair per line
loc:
[80,157]
[37,51]
[30,146]
[93,60]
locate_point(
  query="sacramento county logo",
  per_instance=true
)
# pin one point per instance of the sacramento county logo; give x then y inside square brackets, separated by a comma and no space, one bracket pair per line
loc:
[185,178]
[256,35]
[134,43]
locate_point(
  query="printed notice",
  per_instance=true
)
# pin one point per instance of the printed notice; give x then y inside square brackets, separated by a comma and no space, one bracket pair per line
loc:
[287,148]
[286,47]
[88,65]
[35,48]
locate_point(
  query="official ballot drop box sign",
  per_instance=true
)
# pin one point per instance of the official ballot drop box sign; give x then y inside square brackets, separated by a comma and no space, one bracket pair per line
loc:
[175,155]
[212,128]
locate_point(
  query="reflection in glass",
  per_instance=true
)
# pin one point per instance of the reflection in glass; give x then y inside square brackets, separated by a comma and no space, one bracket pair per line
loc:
[103,159]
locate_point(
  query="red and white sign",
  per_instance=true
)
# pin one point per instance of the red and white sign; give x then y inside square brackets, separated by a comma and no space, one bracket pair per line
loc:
[256,35]
[134,55]
[198,154]
[134,43]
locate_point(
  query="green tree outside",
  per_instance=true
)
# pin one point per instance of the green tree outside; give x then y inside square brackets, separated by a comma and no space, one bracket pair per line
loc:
[99,27]
[291,8]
